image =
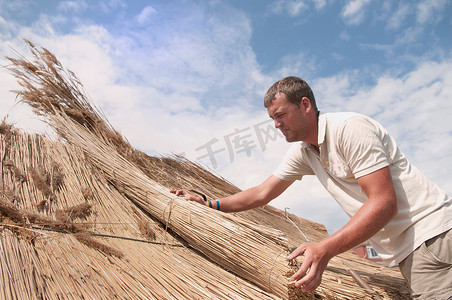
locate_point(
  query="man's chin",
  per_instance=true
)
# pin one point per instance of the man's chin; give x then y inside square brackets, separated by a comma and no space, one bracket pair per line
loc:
[290,139]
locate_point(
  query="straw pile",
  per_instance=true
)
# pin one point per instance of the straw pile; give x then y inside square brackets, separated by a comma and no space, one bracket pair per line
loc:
[71,263]
[114,230]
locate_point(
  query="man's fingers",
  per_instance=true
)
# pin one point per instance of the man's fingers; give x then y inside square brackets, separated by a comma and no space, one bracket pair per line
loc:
[310,282]
[309,275]
[176,192]
[312,285]
[300,276]
[192,198]
[296,252]
[179,192]
[187,196]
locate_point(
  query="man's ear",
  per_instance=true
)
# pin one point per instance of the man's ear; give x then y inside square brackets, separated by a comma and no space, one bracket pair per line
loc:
[305,103]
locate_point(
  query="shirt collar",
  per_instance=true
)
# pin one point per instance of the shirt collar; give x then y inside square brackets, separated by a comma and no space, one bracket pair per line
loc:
[322,129]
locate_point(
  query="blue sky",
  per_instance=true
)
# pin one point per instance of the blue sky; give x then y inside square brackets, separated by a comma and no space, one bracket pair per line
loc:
[189,76]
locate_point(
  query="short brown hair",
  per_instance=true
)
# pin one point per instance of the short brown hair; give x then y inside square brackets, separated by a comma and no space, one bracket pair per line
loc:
[294,88]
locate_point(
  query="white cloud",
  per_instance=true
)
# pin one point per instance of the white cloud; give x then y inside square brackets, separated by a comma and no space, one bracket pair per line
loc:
[298,63]
[294,7]
[320,4]
[397,18]
[354,11]
[15,113]
[145,14]
[429,11]
[72,6]
[8,29]
[9,6]
[344,35]
[410,36]
[107,6]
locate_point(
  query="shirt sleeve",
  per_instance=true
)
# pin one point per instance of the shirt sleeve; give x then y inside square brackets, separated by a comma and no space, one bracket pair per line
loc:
[363,142]
[293,167]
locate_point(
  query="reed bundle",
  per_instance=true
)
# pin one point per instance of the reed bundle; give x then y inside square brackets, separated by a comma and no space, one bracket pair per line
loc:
[125,187]
[37,263]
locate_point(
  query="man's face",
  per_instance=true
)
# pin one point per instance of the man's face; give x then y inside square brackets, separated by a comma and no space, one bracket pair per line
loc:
[289,118]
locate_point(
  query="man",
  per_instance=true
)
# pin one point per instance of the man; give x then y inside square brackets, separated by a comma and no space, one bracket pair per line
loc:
[406,217]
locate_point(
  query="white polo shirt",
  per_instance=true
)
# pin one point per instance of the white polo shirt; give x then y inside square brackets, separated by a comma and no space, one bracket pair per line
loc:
[352,145]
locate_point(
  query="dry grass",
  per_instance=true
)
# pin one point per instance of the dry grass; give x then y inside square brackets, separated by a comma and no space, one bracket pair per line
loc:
[88,240]
[25,219]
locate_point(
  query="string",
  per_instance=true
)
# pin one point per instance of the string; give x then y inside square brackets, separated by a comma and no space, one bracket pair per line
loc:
[170,203]
[108,236]
[293,223]
[271,270]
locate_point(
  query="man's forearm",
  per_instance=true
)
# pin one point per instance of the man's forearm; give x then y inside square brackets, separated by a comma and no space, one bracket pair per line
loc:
[369,219]
[376,212]
[247,199]
[256,196]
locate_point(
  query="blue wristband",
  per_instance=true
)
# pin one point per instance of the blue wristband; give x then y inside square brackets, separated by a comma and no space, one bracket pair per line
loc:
[218,204]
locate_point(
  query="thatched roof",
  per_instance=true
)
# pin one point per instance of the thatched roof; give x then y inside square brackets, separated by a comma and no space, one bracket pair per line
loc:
[87,216]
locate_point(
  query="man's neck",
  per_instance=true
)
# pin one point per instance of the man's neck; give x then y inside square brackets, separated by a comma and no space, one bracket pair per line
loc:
[313,139]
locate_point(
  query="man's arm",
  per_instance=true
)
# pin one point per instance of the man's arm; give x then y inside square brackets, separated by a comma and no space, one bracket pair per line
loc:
[253,197]
[378,210]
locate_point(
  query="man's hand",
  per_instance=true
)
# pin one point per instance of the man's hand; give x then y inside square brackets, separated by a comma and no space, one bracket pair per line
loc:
[188,196]
[316,258]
